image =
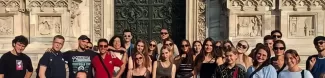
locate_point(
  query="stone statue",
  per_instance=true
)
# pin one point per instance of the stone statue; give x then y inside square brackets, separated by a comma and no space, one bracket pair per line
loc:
[75,16]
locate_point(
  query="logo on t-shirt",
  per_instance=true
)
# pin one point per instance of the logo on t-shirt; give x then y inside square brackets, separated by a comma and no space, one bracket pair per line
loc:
[81,63]
[19,65]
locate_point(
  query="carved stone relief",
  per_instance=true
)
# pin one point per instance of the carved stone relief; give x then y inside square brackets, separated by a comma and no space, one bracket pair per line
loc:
[249,26]
[12,5]
[301,26]
[201,23]
[47,4]
[251,3]
[48,26]
[6,26]
[303,3]
[97,16]
[75,18]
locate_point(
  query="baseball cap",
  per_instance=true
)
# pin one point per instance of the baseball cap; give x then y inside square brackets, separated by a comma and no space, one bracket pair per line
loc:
[84,37]
[316,39]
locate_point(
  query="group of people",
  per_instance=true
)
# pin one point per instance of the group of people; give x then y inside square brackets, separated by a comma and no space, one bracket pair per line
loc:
[120,58]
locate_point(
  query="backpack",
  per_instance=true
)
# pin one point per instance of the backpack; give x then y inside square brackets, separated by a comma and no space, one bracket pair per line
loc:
[48,67]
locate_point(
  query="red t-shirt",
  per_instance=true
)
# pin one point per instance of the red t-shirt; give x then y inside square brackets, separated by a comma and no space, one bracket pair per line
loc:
[110,61]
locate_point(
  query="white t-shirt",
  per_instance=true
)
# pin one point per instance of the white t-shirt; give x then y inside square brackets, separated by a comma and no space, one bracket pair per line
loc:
[288,74]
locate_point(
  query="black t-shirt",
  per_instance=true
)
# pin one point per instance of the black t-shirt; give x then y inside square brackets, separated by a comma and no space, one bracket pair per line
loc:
[13,66]
[79,61]
[55,64]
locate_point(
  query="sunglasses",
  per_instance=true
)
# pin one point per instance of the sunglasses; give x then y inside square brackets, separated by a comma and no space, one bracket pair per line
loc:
[268,43]
[170,44]
[163,33]
[138,58]
[152,45]
[127,35]
[185,45]
[89,47]
[242,46]
[277,36]
[103,46]
[321,43]
[278,48]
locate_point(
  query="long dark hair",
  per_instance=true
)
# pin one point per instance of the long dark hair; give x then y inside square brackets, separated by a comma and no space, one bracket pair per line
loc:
[265,63]
[200,58]
[189,54]
[111,41]
[194,45]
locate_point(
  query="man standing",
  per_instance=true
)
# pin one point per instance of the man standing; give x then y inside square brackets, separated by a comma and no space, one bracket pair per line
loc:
[15,64]
[165,35]
[316,63]
[52,64]
[80,59]
[128,45]
[104,63]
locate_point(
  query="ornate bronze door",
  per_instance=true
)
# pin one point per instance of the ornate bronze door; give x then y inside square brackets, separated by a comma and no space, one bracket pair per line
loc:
[145,18]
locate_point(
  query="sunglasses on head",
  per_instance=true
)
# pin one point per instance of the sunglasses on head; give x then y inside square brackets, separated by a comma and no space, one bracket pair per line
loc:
[277,36]
[242,46]
[127,35]
[278,48]
[163,33]
[103,46]
[152,45]
[170,44]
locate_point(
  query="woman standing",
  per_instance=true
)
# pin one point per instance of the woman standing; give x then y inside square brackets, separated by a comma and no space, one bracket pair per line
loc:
[230,69]
[207,60]
[139,70]
[292,58]
[197,48]
[153,50]
[164,68]
[184,61]
[261,65]
[278,63]
[140,47]
[243,59]
[119,51]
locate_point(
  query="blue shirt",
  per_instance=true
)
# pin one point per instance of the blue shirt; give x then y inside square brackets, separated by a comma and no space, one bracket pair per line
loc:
[266,72]
[319,67]
[55,64]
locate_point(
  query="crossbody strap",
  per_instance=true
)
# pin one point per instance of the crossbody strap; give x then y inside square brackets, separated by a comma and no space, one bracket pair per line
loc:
[235,74]
[102,62]
[302,74]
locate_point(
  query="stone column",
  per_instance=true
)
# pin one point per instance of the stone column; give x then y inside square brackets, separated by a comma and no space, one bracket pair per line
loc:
[195,20]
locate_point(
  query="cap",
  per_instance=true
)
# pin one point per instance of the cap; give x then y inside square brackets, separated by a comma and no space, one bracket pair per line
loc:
[83,37]
[316,39]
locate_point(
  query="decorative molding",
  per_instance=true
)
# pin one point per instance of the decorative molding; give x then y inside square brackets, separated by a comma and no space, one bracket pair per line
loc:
[12,5]
[201,20]
[47,4]
[254,4]
[303,3]
[98,19]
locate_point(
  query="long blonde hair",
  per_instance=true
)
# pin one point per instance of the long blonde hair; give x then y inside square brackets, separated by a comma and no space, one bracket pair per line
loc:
[245,57]
[170,56]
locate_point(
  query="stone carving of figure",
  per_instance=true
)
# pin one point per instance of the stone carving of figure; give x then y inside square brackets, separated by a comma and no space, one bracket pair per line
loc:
[44,28]
[259,25]
[293,29]
[75,16]
[6,26]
